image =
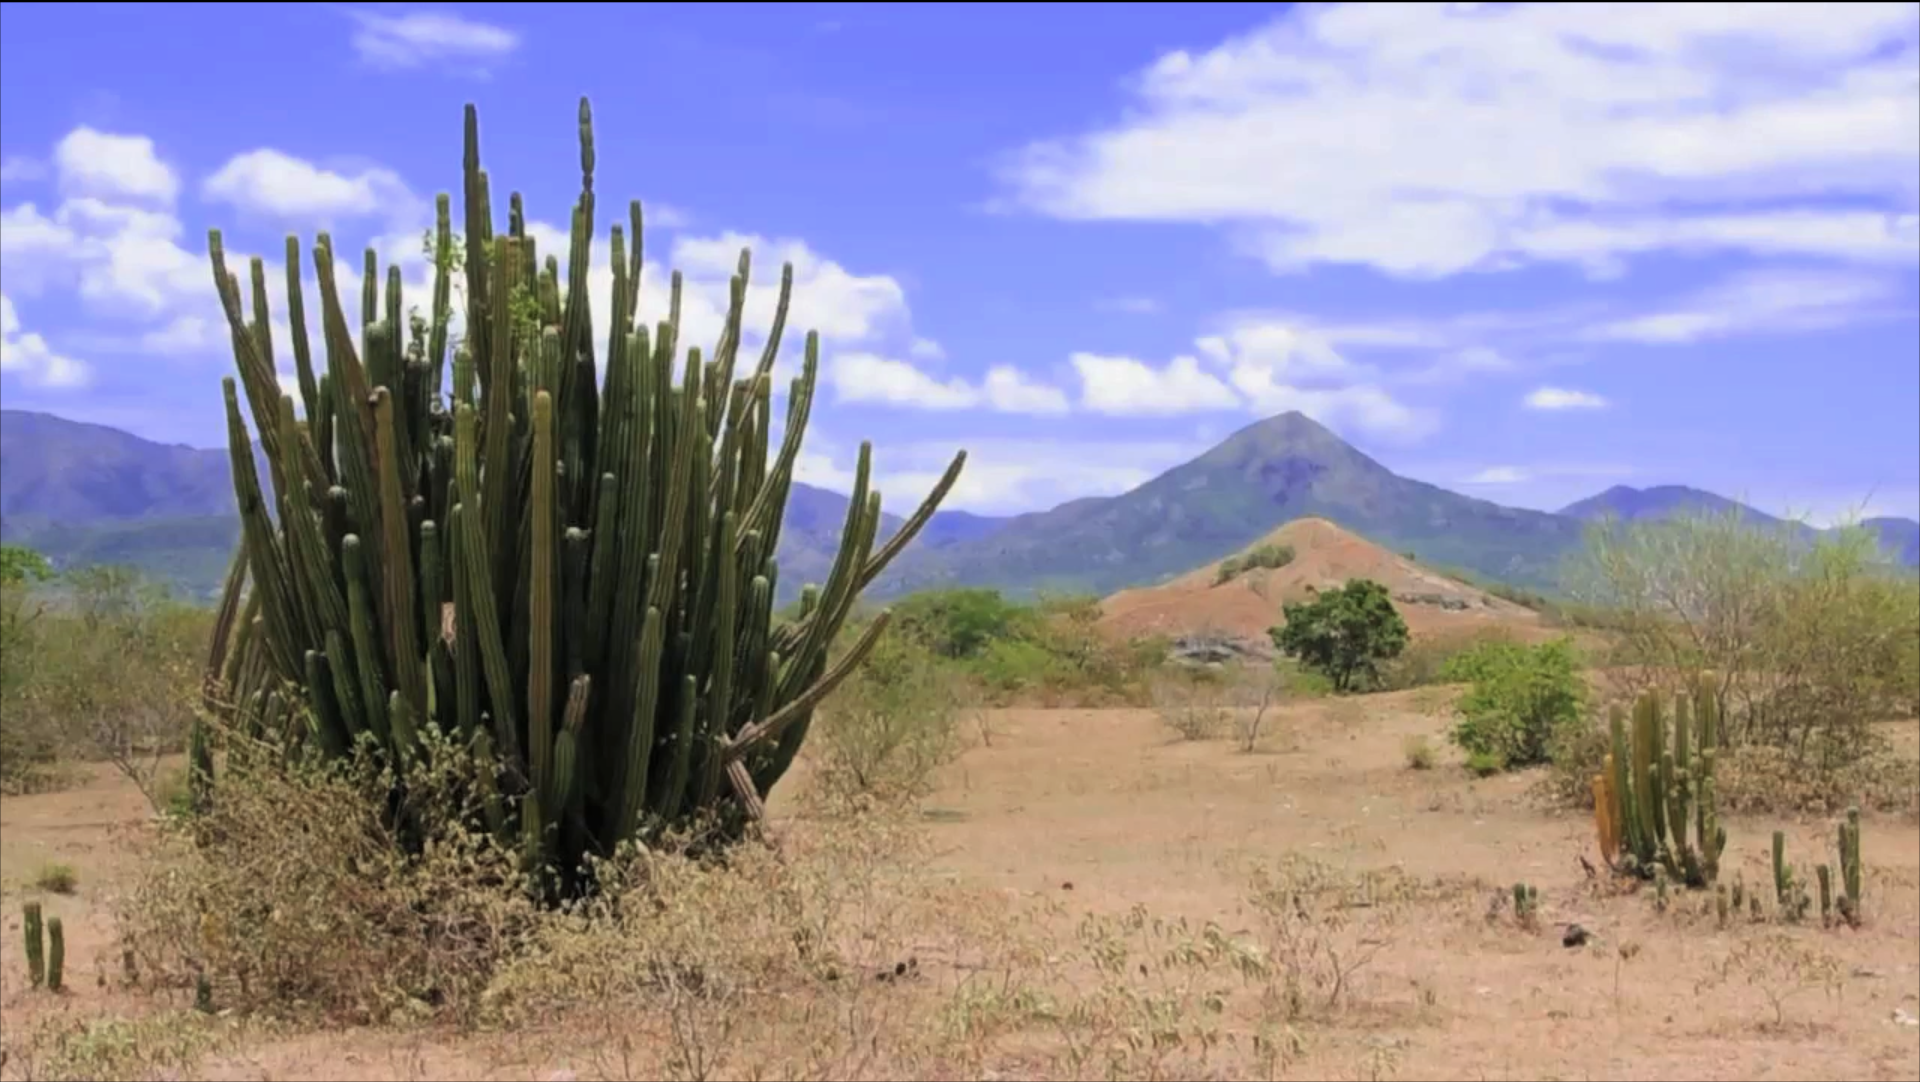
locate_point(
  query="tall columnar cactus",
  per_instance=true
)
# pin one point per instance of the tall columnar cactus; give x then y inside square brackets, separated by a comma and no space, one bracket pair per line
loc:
[1661,806]
[564,558]
[56,954]
[31,926]
[1850,868]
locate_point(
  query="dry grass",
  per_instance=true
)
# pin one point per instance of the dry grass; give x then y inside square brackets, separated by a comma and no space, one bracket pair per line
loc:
[1099,903]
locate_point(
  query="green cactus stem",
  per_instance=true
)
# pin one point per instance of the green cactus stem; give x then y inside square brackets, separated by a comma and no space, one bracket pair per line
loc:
[1825,875]
[36,943]
[56,954]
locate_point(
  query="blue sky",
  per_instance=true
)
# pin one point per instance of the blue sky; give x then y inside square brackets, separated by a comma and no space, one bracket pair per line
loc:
[1524,252]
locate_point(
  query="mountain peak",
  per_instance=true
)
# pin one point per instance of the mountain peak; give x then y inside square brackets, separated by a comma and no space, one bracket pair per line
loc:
[1286,435]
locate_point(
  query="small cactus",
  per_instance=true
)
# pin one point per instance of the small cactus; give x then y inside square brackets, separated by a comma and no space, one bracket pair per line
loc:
[1739,891]
[1753,908]
[1720,905]
[1782,873]
[1660,889]
[36,943]
[1825,875]
[1526,903]
[56,954]
[1850,867]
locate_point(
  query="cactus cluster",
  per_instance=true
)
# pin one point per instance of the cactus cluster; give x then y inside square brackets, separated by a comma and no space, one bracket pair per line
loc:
[564,560]
[46,941]
[1654,804]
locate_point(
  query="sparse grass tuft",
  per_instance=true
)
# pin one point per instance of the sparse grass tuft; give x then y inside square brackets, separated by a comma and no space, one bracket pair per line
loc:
[56,878]
[1419,752]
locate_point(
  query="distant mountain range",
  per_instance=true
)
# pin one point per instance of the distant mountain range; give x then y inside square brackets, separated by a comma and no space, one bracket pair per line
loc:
[85,493]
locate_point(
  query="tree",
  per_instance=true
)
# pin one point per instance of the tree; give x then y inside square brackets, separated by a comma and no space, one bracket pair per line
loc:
[1343,633]
[20,564]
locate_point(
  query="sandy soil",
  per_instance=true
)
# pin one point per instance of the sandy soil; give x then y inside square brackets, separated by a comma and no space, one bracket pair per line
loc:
[1075,812]
[1325,557]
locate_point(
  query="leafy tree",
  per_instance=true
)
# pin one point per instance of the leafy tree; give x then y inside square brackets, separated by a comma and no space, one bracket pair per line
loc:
[20,564]
[1344,633]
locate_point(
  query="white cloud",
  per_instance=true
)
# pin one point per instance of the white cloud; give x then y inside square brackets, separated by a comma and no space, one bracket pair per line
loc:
[1770,301]
[28,355]
[425,37]
[271,182]
[1127,387]
[22,169]
[1561,398]
[865,377]
[1002,476]
[1498,475]
[872,379]
[1008,390]
[1427,139]
[113,166]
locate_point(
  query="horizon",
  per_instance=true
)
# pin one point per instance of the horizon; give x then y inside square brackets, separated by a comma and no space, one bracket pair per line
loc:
[1632,257]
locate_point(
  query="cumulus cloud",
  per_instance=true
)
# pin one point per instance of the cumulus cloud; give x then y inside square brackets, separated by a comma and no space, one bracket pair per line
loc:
[871,379]
[28,356]
[1125,386]
[419,38]
[1003,475]
[1561,398]
[1426,139]
[95,163]
[272,182]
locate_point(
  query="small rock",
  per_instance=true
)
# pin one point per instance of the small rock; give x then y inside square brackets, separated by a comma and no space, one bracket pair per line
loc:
[1068,885]
[1575,936]
[1902,1018]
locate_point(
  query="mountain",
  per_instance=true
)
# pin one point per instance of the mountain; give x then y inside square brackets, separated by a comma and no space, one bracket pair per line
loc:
[1899,537]
[88,494]
[1267,473]
[70,472]
[1629,504]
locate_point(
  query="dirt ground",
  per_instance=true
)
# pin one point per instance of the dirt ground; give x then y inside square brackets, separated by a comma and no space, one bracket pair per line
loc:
[1067,813]
[1325,557]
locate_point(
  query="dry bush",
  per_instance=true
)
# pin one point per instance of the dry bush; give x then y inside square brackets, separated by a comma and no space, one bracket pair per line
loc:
[890,726]
[779,959]
[1324,925]
[293,895]
[61,1047]
[1812,639]
[1193,707]
[1419,752]
[1781,967]
[107,669]
[1767,780]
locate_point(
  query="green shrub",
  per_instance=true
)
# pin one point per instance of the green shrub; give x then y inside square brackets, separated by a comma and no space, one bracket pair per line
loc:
[1269,555]
[962,623]
[1521,696]
[56,878]
[1344,633]
[1425,661]
[1484,764]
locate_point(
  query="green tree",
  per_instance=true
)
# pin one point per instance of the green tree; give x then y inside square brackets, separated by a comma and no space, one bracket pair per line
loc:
[20,564]
[1343,633]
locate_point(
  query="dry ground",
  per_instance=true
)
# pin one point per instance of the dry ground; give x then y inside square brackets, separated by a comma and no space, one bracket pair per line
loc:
[1071,812]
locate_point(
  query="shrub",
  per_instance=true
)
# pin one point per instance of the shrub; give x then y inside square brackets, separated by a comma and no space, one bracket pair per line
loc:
[1344,633]
[1274,554]
[291,893]
[56,878]
[891,725]
[1194,709]
[1425,661]
[96,665]
[1419,753]
[1811,637]
[962,623]
[1520,697]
